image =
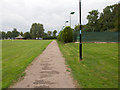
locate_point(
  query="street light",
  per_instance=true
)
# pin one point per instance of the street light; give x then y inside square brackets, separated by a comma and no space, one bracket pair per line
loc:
[66,22]
[80,46]
[63,27]
[70,17]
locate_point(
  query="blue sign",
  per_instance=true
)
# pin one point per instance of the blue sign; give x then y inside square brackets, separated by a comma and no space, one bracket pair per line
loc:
[80,32]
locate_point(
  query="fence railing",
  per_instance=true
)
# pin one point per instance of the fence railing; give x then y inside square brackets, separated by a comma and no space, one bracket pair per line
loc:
[96,36]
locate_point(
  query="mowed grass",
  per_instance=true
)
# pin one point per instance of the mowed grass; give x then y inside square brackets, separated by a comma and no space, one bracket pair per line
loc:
[17,55]
[99,68]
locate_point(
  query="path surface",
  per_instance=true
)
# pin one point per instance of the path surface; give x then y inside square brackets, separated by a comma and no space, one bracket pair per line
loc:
[48,70]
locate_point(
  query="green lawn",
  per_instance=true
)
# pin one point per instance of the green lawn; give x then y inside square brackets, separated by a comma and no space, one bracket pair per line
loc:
[17,55]
[99,68]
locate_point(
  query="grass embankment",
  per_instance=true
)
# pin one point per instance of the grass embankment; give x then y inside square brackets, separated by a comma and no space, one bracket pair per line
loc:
[16,56]
[99,68]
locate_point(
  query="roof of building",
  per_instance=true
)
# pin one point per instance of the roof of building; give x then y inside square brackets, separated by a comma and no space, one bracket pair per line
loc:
[19,36]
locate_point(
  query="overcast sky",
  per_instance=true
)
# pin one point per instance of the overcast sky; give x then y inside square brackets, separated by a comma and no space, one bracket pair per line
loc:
[52,14]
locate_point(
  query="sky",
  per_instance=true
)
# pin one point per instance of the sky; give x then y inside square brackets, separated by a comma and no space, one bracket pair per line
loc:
[52,14]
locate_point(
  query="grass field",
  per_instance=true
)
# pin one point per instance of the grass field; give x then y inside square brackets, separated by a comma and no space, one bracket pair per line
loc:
[99,68]
[16,56]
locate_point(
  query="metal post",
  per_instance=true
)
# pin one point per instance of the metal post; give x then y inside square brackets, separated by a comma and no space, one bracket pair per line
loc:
[70,19]
[66,22]
[63,27]
[80,46]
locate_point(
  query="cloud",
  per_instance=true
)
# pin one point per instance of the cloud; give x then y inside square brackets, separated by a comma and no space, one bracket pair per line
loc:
[52,14]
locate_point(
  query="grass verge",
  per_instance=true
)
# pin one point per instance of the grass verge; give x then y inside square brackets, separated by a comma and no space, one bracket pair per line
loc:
[17,55]
[99,68]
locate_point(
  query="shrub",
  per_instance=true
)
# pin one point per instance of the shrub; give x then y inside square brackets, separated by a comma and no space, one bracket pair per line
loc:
[66,35]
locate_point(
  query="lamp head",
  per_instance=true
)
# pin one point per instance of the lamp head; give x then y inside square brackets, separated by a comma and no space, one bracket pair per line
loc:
[66,21]
[72,12]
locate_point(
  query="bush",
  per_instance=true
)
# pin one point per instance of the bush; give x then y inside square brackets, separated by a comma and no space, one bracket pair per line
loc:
[49,37]
[66,35]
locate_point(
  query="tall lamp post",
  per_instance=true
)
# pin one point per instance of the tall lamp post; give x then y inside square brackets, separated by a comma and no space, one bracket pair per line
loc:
[63,27]
[70,17]
[66,22]
[80,46]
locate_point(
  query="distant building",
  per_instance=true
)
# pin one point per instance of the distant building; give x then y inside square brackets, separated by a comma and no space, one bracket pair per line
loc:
[19,38]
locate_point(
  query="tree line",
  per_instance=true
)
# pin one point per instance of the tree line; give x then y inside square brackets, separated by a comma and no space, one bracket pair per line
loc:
[36,31]
[106,21]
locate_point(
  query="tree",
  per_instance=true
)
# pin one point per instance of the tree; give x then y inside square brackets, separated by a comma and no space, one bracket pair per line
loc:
[27,35]
[93,20]
[49,33]
[54,33]
[45,34]
[93,16]
[109,18]
[0,35]
[3,35]
[21,33]
[9,34]
[15,33]
[37,30]
[77,27]
[66,35]
[107,21]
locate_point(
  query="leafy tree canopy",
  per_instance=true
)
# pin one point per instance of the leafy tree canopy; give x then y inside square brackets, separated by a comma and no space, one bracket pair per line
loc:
[54,32]
[37,30]
[49,33]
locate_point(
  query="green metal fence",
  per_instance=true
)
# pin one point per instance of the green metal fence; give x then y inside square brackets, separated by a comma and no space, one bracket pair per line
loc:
[96,36]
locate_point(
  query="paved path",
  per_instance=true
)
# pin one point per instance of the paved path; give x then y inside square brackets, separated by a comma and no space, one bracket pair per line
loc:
[47,71]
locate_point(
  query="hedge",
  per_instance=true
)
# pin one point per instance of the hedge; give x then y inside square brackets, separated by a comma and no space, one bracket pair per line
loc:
[66,35]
